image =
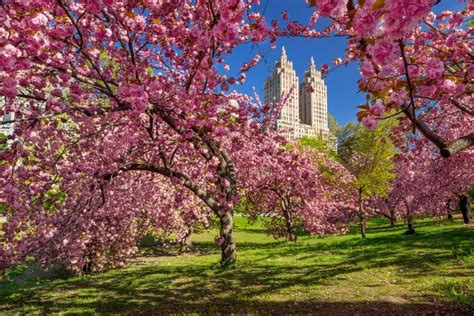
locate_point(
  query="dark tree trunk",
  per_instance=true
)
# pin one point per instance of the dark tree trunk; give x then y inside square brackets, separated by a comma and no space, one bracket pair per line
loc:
[362,224]
[411,226]
[228,248]
[392,217]
[87,268]
[186,243]
[450,211]
[290,228]
[465,209]
[450,214]
[291,233]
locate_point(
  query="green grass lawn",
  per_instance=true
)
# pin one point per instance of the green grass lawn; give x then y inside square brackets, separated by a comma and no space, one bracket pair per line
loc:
[432,271]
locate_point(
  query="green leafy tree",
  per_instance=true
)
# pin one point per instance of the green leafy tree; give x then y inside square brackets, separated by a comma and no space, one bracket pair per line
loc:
[367,154]
[318,144]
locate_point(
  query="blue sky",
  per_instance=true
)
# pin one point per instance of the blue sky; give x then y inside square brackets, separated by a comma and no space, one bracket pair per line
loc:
[343,97]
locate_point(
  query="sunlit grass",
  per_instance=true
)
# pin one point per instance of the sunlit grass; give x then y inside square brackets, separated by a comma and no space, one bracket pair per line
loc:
[430,271]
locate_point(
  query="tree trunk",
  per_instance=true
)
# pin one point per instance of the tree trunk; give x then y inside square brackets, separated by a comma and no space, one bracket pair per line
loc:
[362,224]
[464,206]
[450,211]
[87,267]
[290,229]
[392,217]
[291,232]
[411,226]
[361,216]
[228,248]
[450,214]
[186,243]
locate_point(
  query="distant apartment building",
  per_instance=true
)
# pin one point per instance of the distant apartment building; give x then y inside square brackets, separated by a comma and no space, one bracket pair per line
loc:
[306,112]
[6,124]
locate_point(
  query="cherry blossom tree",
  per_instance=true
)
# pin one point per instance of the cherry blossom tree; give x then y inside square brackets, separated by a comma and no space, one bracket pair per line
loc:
[425,182]
[297,185]
[103,234]
[106,92]
[411,60]
[115,101]
[123,117]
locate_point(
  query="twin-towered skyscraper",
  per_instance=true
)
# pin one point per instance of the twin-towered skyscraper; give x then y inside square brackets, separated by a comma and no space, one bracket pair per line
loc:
[306,112]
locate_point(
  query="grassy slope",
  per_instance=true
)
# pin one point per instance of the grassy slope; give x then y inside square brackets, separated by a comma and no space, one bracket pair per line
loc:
[431,271]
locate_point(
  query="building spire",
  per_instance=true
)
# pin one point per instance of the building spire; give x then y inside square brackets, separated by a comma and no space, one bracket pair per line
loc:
[283,54]
[312,65]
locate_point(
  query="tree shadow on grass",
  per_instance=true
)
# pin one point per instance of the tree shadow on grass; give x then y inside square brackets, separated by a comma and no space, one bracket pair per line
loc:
[415,252]
[257,284]
[162,289]
[224,306]
[248,230]
[382,225]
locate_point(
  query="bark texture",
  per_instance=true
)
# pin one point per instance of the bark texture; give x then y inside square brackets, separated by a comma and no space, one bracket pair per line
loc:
[228,247]
[186,243]
[290,228]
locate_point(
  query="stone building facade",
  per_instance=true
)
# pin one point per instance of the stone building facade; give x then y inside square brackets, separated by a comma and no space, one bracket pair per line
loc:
[6,125]
[306,112]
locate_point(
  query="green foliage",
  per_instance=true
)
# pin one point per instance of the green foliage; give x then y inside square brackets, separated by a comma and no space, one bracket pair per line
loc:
[276,226]
[333,126]
[312,142]
[368,154]
[318,144]
[3,141]
[470,23]
[53,196]
[288,146]
[148,241]
[243,207]
[471,193]
[18,270]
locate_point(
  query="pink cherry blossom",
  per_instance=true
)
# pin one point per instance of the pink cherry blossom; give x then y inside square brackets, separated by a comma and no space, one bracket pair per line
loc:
[367,69]
[378,108]
[407,53]
[384,52]
[449,85]
[369,122]
[399,97]
[335,8]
